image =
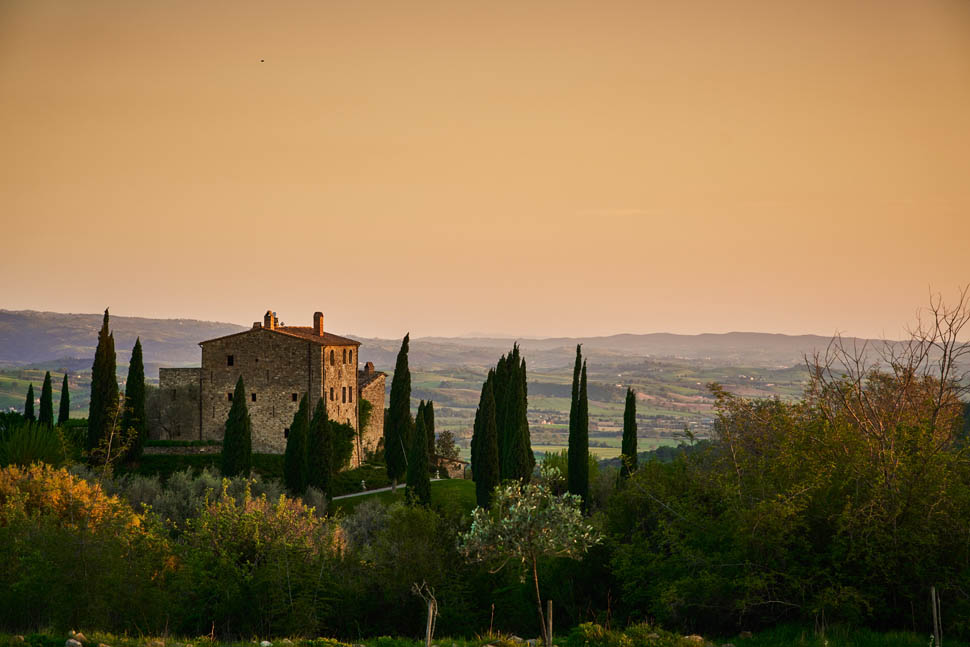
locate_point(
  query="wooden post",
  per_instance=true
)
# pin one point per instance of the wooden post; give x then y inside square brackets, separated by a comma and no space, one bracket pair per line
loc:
[549,621]
[935,602]
[427,630]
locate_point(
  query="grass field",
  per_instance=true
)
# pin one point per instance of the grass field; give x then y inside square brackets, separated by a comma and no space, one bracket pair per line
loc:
[445,494]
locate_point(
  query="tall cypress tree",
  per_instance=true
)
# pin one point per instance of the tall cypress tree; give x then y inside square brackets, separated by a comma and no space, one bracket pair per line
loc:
[578,481]
[515,448]
[429,432]
[104,388]
[46,417]
[133,418]
[628,453]
[295,456]
[64,406]
[29,404]
[418,488]
[320,452]
[485,471]
[237,441]
[398,425]
[578,444]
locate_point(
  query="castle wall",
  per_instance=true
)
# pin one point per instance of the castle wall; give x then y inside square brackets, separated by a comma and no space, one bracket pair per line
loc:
[340,383]
[373,392]
[175,410]
[276,370]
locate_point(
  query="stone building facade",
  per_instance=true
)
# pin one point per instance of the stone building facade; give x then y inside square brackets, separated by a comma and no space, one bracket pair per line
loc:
[278,365]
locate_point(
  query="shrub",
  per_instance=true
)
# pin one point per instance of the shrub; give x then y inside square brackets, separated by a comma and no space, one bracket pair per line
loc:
[27,442]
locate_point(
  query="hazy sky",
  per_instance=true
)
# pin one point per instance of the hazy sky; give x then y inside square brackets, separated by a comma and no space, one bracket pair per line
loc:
[521,167]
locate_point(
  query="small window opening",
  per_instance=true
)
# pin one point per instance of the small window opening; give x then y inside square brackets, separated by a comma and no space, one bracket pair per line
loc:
[286,433]
[294,396]
[331,358]
[350,356]
[350,394]
[254,396]
[331,393]
[175,394]
[345,356]
[343,394]
[229,395]
[230,360]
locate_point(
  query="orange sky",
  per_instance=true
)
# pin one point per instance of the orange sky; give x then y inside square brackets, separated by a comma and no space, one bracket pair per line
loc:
[522,167]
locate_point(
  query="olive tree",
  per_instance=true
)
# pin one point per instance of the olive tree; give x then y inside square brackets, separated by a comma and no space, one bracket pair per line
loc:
[524,523]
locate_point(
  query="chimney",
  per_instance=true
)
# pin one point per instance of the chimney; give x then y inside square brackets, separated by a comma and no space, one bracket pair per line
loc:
[269,320]
[318,323]
[368,368]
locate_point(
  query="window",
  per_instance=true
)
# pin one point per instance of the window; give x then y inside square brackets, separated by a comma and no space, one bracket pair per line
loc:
[343,393]
[175,394]
[345,356]
[229,396]
[331,358]
[254,396]
[294,396]
[286,432]
[350,394]
[350,356]
[230,360]
[331,393]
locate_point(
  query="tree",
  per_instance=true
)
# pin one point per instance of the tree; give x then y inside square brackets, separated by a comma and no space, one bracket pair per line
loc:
[578,473]
[295,455]
[418,488]
[103,409]
[320,464]
[398,425]
[516,460]
[445,446]
[429,430]
[64,406]
[526,523]
[485,467]
[364,410]
[29,404]
[237,441]
[628,451]
[133,417]
[46,417]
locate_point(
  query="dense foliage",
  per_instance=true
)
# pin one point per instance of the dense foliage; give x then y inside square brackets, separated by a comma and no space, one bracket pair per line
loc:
[46,417]
[133,421]
[103,408]
[398,422]
[295,456]
[237,438]
[418,478]
[64,406]
[628,450]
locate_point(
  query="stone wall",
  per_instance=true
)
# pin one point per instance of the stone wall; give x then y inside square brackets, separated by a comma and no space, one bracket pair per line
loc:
[373,392]
[173,411]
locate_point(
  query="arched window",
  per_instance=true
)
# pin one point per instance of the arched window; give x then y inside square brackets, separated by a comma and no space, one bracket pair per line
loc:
[331,357]
[345,356]
[350,356]
[331,393]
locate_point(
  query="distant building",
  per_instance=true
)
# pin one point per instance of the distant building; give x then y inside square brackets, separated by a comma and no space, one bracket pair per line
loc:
[278,364]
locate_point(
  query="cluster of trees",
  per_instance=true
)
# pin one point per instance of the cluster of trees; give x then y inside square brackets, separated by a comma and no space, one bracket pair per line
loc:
[501,448]
[46,415]
[410,450]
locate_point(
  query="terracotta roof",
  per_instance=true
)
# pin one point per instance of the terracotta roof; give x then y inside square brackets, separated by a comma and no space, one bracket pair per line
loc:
[306,332]
[364,378]
[301,332]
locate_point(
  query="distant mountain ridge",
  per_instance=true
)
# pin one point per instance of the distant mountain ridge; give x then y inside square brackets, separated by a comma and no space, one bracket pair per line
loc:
[31,337]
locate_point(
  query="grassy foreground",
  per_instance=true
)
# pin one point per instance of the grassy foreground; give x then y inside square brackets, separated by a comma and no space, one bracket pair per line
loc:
[587,635]
[455,494]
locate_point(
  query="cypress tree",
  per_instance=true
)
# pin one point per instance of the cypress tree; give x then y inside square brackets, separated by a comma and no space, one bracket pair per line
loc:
[133,418]
[104,388]
[577,445]
[418,488]
[476,429]
[515,448]
[320,453]
[237,441]
[398,424]
[485,470]
[64,406]
[29,404]
[429,431]
[295,456]
[46,417]
[578,481]
[628,457]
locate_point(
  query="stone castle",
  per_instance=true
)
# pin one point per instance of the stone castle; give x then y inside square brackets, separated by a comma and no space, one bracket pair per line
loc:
[278,365]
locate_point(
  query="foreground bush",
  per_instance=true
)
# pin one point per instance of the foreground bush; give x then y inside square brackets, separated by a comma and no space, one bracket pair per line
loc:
[72,554]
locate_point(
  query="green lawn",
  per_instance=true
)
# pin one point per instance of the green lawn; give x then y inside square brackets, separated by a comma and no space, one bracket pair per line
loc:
[448,494]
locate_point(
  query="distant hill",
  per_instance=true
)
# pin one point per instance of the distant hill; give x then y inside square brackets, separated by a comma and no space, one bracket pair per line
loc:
[30,337]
